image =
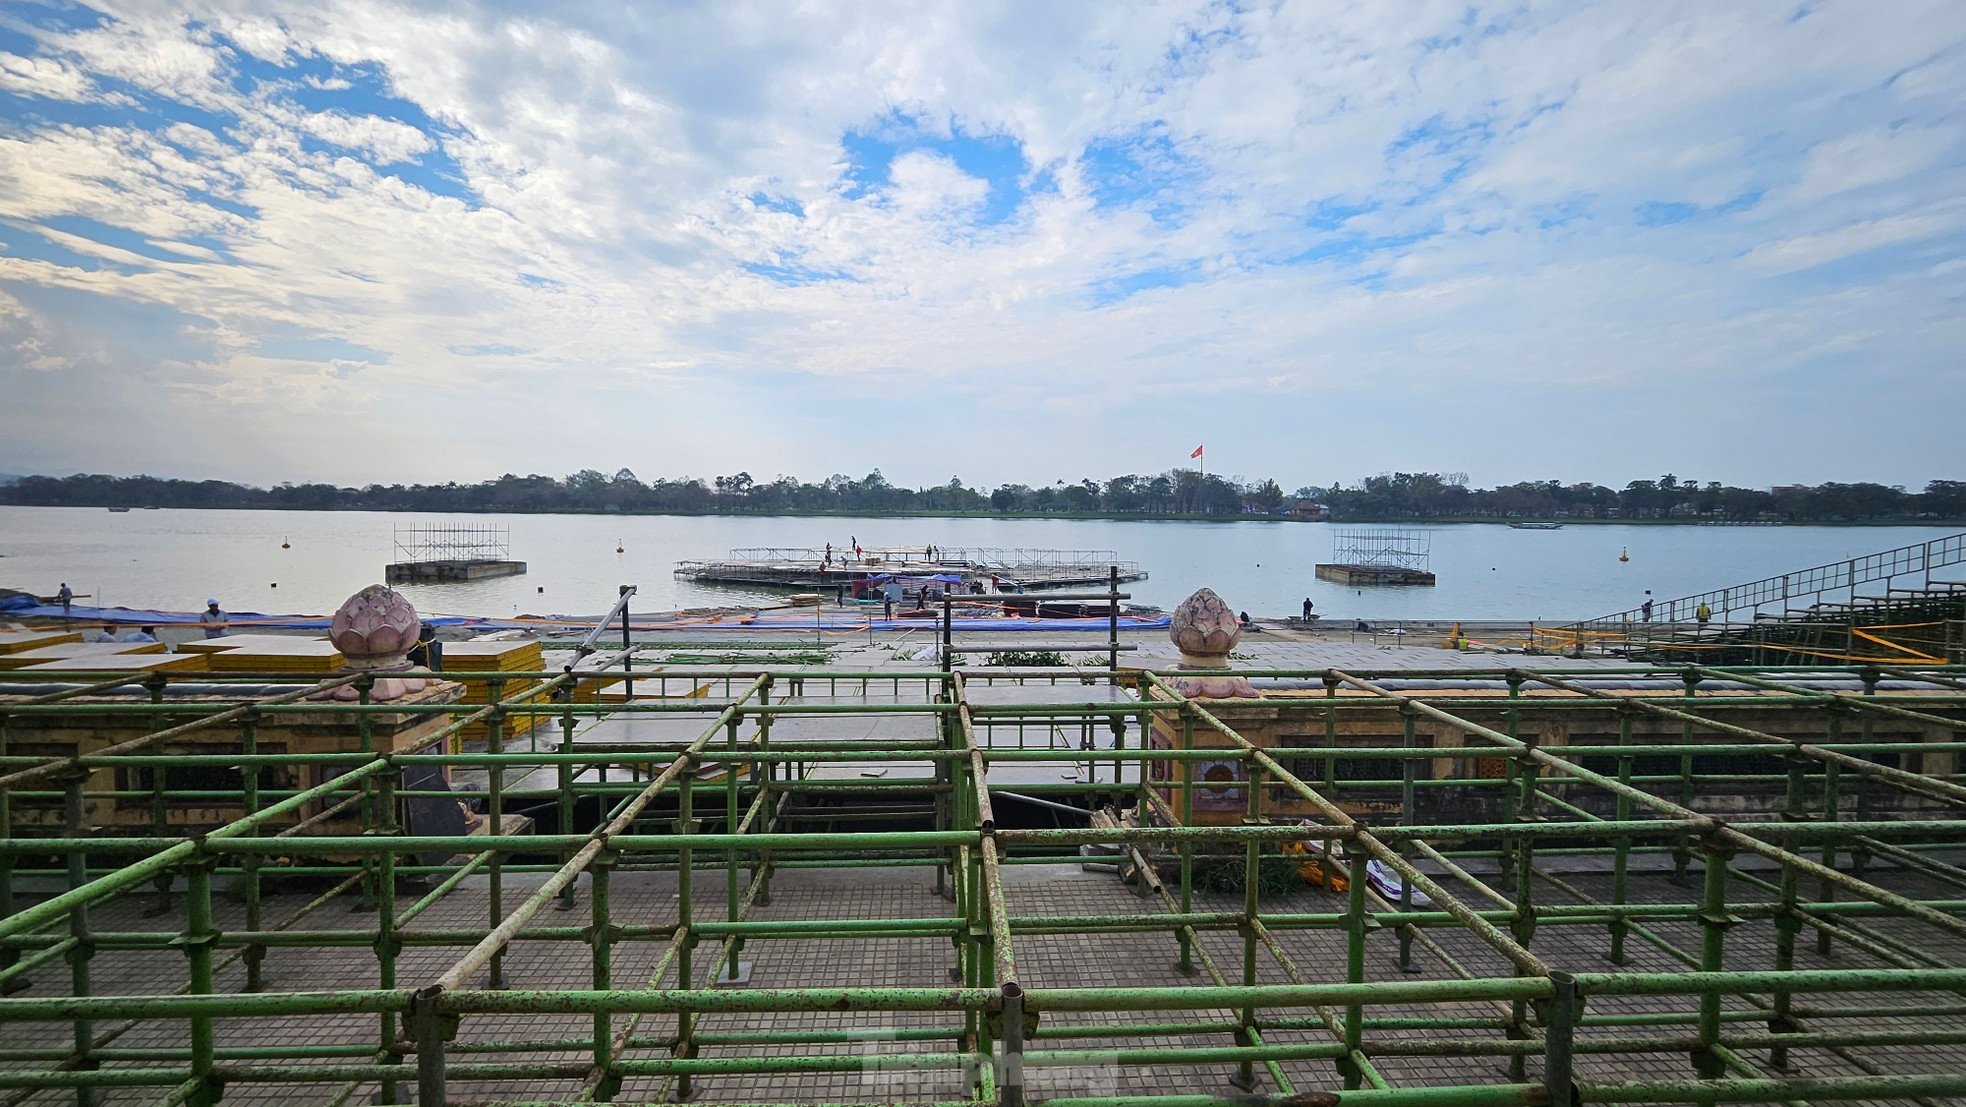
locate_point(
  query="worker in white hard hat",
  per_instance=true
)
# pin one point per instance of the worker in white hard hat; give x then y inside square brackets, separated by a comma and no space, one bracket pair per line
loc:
[213,619]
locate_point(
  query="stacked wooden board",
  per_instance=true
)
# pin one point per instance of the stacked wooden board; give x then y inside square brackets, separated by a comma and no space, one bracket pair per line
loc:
[14,641]
[245,641]
[81,654]
[493,657]
[123,662]
[312,657]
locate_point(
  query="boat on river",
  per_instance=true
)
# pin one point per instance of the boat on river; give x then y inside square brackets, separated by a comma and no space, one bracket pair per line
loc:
[1535,526]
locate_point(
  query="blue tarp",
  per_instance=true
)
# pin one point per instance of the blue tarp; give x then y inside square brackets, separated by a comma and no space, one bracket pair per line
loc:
[24,607]
[20,606]
[808,623]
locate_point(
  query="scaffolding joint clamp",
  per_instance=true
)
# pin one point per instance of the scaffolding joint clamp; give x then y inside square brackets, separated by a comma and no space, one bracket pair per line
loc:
[1713,834]
[426,1008]
[71,772]
[188,941]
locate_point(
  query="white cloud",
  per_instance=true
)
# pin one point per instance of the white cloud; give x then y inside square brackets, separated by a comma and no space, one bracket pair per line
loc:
[50,78]
[930,182]
[389,140]
[159,54]
[1808,251]
[25,342]
[1872,158]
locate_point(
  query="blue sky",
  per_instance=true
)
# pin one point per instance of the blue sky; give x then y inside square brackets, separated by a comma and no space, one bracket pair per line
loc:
[268,241]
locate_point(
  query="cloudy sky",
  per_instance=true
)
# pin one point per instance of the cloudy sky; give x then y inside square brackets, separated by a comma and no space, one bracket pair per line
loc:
[379,241]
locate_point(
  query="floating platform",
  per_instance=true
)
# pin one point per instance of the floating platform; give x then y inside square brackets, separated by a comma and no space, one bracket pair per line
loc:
[410,572]
[1374,574]
[821,569]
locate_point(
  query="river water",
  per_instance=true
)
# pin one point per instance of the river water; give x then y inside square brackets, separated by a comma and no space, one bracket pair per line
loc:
[175,559]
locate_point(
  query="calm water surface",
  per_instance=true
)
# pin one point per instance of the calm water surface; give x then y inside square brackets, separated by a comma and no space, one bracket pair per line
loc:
[175,559]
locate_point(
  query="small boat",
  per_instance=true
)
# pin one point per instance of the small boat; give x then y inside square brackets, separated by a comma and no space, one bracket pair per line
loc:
[119,509]
[1535,526]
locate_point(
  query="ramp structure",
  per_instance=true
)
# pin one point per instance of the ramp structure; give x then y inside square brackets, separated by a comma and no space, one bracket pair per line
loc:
[1553,890]
[1896,606]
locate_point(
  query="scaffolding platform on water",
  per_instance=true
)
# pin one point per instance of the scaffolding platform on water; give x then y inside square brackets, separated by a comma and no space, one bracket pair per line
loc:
[1587,908]
[814,568]
[452,552]
[1379,557]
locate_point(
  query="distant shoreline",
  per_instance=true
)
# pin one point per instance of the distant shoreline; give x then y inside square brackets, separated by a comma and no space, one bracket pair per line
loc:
[1066,516]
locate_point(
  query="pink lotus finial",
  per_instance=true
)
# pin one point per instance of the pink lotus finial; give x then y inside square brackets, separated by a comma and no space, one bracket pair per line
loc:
[377,624]
[1205,628]
[374,631]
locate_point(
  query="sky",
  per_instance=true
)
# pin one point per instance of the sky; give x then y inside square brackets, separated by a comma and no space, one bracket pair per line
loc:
[374,241]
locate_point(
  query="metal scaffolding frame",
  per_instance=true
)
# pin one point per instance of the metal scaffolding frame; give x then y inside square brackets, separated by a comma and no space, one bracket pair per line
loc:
[1383,547]
[421,542]
[1297,1033]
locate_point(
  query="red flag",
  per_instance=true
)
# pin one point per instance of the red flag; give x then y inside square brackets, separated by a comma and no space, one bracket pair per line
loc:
[1197,452]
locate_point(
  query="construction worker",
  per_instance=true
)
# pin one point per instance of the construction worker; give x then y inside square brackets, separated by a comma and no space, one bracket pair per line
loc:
[66,597]
[212,619]
[1703,613]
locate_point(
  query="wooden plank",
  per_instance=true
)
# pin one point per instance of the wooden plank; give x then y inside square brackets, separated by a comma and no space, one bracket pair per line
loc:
[123,662]
[77,651]
[14,641]
[244,641]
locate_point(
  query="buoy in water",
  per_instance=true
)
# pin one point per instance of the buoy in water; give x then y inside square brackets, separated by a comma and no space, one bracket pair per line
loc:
[286,545]
[619,549]
[1625,554]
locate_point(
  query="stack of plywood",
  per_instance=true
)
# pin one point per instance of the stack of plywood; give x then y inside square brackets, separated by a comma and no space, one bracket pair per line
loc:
[274,654]
[81,654]
[122,663]
[245,641]
[14,641]
[493,657]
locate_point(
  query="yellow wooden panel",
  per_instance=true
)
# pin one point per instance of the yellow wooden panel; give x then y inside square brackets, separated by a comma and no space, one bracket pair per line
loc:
[14,641]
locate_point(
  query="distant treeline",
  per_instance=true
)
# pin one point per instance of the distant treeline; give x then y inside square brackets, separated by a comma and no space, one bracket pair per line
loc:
[1393,496]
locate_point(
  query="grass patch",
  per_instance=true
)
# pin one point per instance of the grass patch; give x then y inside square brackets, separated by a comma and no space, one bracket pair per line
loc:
[1042,659]
[1276,875]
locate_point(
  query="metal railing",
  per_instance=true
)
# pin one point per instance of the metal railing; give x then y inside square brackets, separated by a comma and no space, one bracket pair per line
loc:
[1797,590]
